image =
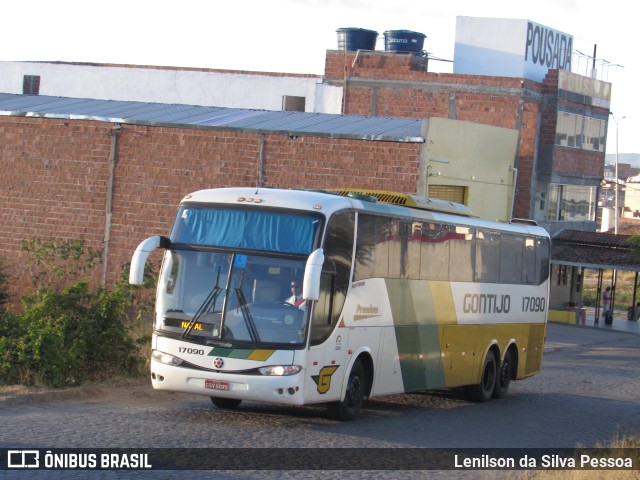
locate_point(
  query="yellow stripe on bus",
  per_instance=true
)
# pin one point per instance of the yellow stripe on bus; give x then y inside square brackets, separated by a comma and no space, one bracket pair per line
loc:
[260,355]
[443,305]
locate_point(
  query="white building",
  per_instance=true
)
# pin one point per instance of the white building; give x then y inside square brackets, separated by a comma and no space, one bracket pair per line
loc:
[188,86]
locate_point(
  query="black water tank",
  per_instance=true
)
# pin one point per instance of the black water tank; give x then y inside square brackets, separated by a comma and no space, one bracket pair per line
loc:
[353,39]
[403,41]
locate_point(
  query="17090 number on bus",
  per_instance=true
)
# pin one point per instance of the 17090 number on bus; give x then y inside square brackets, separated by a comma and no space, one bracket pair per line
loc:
[534,304]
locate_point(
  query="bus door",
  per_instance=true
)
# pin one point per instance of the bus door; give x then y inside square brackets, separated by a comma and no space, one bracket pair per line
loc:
[328,337]
[327,353]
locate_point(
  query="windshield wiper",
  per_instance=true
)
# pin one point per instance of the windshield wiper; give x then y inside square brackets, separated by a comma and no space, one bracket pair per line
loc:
[208,305]
[246,314]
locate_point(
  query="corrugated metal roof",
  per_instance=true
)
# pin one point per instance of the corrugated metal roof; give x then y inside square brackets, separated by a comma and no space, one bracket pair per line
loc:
[343,126]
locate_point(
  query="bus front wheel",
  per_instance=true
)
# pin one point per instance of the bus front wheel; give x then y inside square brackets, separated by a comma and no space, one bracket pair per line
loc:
[349,408]
[484,390]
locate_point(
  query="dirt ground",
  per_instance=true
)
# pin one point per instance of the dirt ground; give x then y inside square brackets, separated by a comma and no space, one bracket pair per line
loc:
[129,390]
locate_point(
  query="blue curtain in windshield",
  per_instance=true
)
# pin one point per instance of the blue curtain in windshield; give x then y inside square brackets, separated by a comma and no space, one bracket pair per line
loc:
[255,230]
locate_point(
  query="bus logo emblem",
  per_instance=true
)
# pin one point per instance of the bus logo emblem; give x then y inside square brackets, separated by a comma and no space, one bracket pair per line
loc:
[218,362]
[323,379]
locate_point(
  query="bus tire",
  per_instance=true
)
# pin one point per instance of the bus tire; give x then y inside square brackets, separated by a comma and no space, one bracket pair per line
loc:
[484,390]
[503,378]
[349,408]
[226,403]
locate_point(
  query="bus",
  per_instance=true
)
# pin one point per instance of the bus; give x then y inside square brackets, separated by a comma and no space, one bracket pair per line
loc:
[298,297]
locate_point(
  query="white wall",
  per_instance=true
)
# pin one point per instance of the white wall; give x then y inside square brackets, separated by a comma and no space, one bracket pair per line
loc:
[172,85]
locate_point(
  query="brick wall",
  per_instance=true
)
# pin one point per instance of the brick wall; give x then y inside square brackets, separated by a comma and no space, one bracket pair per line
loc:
[566,160]
[55,173]
[53,180]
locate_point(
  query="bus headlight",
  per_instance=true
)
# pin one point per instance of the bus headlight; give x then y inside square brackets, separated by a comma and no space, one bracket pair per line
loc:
[280,370]
[166,358]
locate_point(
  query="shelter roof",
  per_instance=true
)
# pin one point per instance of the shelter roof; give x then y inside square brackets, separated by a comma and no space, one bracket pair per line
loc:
[596,250]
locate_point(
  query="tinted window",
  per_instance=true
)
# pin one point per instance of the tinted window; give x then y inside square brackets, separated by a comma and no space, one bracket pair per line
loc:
[338,251]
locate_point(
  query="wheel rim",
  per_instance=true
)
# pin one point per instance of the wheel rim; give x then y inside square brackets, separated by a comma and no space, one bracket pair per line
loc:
[505,373]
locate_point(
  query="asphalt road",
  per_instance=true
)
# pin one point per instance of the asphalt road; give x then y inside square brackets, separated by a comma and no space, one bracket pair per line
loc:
[588,394]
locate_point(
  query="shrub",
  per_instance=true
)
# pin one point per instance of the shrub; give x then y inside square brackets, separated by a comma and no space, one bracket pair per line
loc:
[70,334]
[55,263]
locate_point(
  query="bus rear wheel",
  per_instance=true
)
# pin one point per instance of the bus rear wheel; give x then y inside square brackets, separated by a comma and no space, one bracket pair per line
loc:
[226,403]
[504,377]
[349,408]
[484,390]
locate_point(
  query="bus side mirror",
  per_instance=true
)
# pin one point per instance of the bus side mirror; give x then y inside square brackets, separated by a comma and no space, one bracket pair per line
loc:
[136,272]
[311,285]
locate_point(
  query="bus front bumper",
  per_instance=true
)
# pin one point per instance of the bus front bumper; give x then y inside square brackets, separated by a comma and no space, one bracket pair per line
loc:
[284,390]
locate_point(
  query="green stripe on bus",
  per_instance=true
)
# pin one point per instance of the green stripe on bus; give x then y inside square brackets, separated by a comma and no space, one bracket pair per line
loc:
[220,352]
[417,334]
[419,352]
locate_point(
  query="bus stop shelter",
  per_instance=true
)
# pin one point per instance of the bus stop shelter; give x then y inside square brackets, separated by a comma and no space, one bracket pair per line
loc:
[598,251]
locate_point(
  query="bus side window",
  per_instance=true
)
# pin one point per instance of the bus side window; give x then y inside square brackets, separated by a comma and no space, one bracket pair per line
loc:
[488,254]
[434,251]
[542,255]
[334,283]
[321,321]
[511,258]
[365,260]
[462,255]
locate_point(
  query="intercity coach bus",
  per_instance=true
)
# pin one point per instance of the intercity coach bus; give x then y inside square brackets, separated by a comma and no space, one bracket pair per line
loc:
[399,293]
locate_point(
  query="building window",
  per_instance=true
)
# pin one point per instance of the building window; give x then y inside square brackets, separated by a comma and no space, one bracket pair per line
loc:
[572,203]
[293,104]
[31,85]
[594,134]
[579,131]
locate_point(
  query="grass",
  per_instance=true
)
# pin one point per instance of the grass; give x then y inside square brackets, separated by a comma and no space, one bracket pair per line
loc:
[624,289]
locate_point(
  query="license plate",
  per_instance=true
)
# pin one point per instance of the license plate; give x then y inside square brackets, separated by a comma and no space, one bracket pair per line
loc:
[215,385]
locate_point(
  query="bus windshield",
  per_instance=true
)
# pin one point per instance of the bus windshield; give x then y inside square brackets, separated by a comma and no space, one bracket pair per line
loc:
[254,299]
[235,274]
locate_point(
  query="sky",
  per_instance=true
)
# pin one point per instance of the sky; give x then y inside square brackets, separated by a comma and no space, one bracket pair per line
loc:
[292,36]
